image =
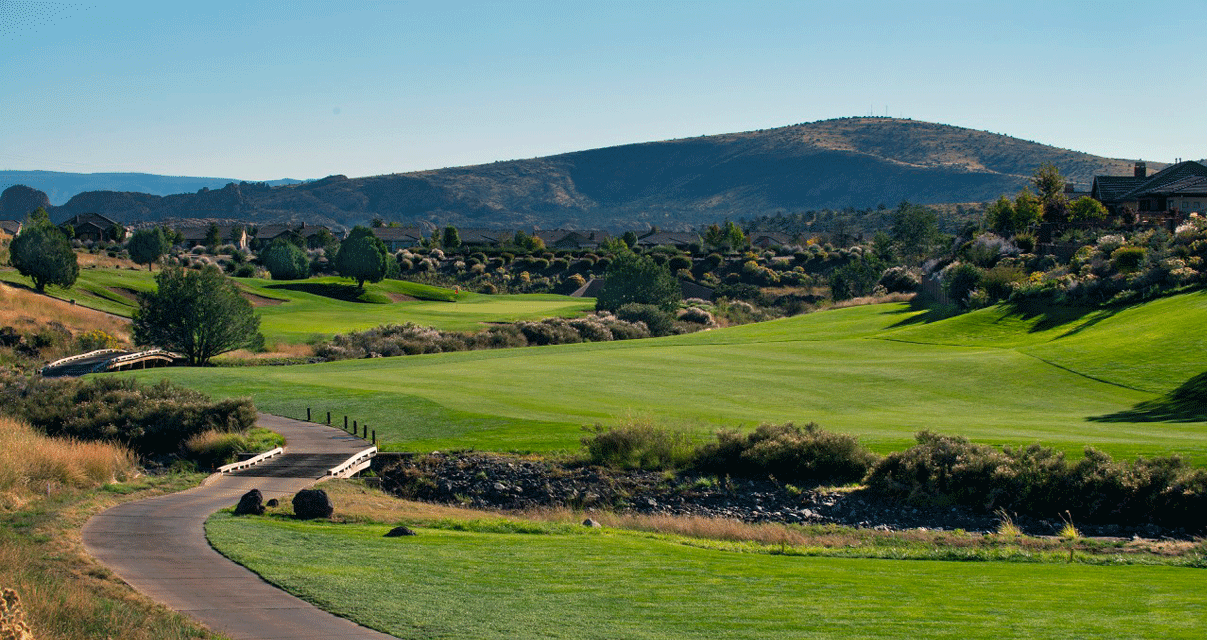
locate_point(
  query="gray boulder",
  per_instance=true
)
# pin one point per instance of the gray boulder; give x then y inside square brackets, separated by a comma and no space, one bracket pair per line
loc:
[252,503]
[398,532]
[591,522]
[310,504]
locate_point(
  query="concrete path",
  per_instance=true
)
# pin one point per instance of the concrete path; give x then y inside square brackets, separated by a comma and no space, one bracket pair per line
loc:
[158,545]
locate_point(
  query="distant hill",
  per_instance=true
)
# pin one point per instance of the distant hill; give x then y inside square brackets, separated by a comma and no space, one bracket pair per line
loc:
[60,187]
[674,184]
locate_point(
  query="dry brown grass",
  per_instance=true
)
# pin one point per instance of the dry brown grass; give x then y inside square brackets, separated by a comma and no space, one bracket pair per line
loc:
[866,300]
[102,261]
[26,310]
[278,350]
[31,463]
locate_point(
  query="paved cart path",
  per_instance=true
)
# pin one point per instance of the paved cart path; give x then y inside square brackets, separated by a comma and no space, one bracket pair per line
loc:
[158,545]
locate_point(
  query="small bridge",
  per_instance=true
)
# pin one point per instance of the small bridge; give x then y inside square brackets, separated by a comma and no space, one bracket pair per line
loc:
[103,360]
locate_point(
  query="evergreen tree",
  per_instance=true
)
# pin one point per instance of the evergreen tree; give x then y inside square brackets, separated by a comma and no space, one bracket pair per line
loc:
[43,254]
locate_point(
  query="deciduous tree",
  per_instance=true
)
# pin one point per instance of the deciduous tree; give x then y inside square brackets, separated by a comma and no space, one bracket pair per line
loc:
[362,257]
[147,246]
[43,254]
[285,261]
[638,279]
[199,314]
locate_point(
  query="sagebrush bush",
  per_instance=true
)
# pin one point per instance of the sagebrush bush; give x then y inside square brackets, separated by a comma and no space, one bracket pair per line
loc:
[799,455]
[153,420]
[658,321]
[1039,481]
[639,444]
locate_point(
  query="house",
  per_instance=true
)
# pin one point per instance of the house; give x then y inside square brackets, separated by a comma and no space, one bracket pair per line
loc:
[766,239]
[485,237]
[94,227]
[9,229]
[1168,195]
[227,234]
[396,238]
[678,240]
[572,238]
[269,232]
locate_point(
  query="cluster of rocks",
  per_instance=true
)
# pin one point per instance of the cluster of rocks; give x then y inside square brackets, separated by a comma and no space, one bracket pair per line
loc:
[492,481]
[308,504]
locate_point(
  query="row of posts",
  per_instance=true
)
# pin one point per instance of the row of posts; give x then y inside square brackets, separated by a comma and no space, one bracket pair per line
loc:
[357,430]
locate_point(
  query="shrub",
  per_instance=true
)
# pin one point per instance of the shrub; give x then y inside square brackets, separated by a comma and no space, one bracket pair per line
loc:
[638,444]
[790,453]
[1038,481]
[959,280]
[1128,259]
[658,321]
[152,420]
[900,280]
[698,316]
[95,339]
[29,461]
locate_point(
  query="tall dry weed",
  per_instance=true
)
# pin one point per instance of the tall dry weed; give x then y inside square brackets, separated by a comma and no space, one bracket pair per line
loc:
[33,463]
[26,310]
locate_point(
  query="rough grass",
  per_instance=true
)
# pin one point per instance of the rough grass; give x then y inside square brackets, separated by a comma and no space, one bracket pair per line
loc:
[66,594]
[880,372]
[26,310]
[559,579]
[308,315]
[31,463]
[215,448]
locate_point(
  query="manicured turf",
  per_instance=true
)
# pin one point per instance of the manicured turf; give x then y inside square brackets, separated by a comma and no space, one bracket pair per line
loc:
[878,372]
[585,583]
[321,307]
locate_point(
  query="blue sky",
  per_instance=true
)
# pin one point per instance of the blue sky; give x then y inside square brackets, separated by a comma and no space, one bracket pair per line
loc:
[307,88]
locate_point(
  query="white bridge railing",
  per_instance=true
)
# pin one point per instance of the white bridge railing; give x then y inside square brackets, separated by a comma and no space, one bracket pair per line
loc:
[250,462]
[357,463]
[69,359]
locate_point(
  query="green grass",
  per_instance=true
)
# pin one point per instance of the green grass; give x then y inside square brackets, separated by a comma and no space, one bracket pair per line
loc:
[582,583]
[321,307]
[875,371]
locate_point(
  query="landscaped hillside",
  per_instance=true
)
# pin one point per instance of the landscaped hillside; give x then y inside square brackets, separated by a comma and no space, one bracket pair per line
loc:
[997,375]
[857,162]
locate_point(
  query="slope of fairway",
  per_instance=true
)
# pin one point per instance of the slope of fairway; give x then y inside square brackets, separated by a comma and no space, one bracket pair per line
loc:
[589,583]
[302,313]
[850,370]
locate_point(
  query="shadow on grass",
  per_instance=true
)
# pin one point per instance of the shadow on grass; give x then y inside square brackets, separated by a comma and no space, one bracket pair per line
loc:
[1187,403]
[1046,315]
[930,313]
[344,292]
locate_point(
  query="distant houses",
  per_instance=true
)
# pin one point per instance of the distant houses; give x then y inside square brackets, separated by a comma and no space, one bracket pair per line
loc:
[93,227]
[396,238]
[1167,196]
[9,229]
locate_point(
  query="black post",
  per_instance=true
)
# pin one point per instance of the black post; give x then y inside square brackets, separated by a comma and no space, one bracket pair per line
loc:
[375,436]
[307,414]
[353,427]
[328,418]
[345,423]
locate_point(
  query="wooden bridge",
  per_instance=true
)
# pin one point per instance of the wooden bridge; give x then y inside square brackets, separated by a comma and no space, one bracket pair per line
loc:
[103,360]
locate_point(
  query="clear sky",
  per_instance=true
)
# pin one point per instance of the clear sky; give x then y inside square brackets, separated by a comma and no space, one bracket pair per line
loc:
[259,90]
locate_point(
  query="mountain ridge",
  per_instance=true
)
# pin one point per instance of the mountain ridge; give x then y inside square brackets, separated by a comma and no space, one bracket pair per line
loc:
[673,184]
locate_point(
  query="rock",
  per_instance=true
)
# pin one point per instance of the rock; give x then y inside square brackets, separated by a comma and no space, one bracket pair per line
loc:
[398,532]
[252,503]
[310,504]
[272,503]
[590,522]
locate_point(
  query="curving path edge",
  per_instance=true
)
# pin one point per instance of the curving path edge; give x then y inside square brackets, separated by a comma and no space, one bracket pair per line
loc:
[158,545]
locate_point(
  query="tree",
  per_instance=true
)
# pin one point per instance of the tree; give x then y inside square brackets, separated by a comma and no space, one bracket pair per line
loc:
[631,278]
[362,257]
[451,239]
[630,238]
[147,246]
[43,254]
[915,229]
[199,314]
[999,217]
[212,236]
[1050,186]
[725,238]
[285,261]
[1028,210]
[527,243]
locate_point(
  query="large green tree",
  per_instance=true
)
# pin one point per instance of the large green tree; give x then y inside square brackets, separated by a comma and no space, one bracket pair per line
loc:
[638,279]
[43,254]
[147,246]
[451,239]
[285,261]
[363,257]
[199,314]
[915,229]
